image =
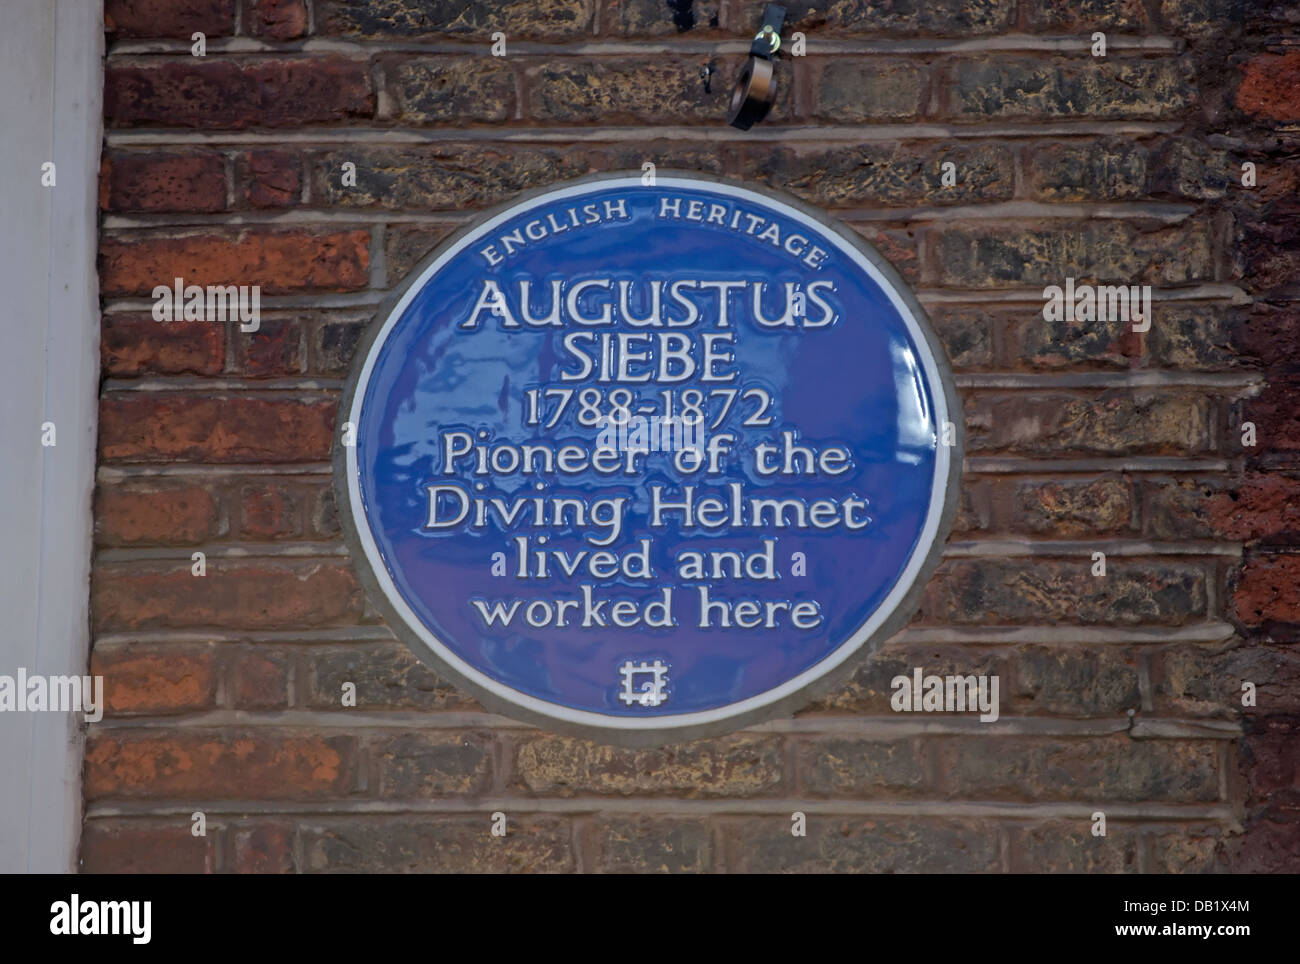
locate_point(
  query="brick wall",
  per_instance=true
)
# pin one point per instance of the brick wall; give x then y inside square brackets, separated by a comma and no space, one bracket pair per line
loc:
[1120,694]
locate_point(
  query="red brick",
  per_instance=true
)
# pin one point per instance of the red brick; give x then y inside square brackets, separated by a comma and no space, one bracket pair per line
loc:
[384,676]
[1202,18]
[278,262]
[1189,168]
[898,246]
[868,693]
[1270,845]
[217,764]
[1036,254]
[264,850]
[228,94]
[276,348]
[395,21]
[943,18]
[268,510]
[184,428]
[741,765]
[262,679]
[1265,254]
[1031,342]
[1188,850]
[236,597]
[131,345]
[885,174]
[1070,681]
[1270,86]
[1069,16]
[155,514]
[1276,414]
[1094,770]
[270,179]
[573,90]
[1195,337]
[405,246]
[1072,508]
[638,845]
[1064,591]
[451,175]
[973,508]
[1278,179]
[857,767]
[449,844]
[853,91]
[862,845]
[277,19]
[1268,591]
[454,91]
[1000,85]
[1270,750]
[163,680]
[1122,422]
[1271,333]
[128,847]
[169,18]
[967,334]
[334,343]
[1190,680]
[1180,508]
[1069,847]
[162,182]
[1263,507]
[432,764]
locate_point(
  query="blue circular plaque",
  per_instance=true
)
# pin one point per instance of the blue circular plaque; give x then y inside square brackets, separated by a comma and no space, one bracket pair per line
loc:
[648,458]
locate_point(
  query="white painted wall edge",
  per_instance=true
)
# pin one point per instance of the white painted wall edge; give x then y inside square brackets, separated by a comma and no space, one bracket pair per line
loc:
[51,77]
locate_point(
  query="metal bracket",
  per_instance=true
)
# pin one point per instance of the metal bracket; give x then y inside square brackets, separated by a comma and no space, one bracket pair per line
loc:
[755,89]
[768,39]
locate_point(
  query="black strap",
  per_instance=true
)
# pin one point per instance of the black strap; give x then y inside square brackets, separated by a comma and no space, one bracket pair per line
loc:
[774,17]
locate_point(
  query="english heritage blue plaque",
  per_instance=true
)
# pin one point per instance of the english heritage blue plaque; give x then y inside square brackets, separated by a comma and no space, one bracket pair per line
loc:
[647,459]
